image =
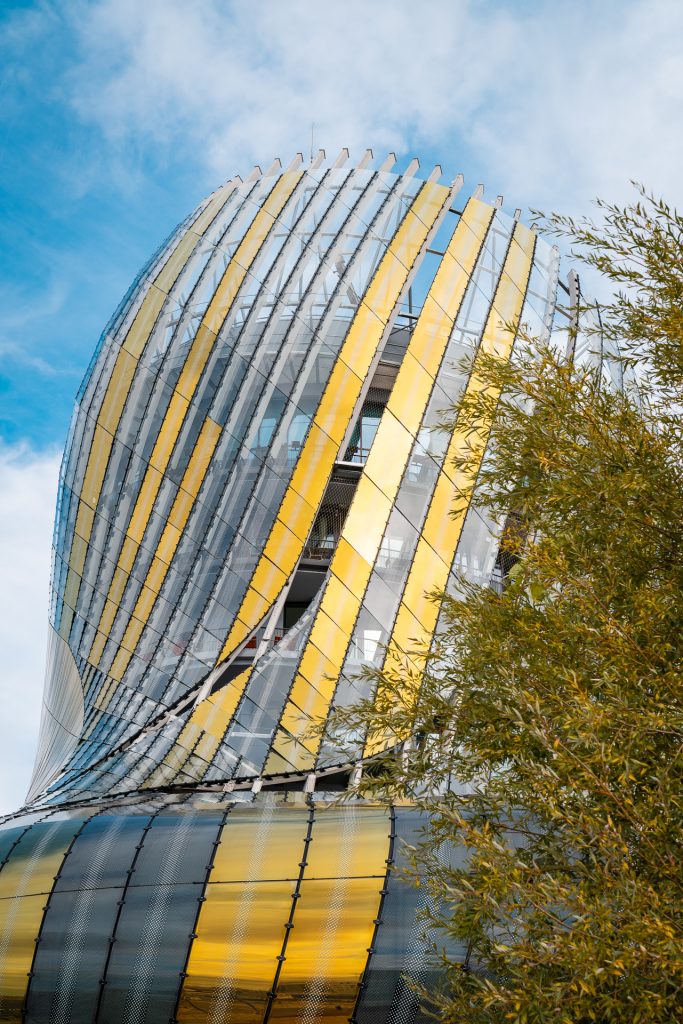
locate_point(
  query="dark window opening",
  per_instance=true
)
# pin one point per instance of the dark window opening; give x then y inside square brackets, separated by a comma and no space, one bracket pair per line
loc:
[292,613]
[330,520]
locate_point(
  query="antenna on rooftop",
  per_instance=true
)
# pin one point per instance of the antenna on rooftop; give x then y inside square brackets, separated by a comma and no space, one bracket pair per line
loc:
[312,139]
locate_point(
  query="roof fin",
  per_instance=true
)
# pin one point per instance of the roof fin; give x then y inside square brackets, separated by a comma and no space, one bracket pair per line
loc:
[341,159]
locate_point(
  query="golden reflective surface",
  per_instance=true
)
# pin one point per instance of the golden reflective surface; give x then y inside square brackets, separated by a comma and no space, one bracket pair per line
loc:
[241,927]
[233,965]
[334,919]
[25,884]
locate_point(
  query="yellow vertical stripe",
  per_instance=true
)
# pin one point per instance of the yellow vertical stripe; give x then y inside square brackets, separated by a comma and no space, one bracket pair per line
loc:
[335,915]
[25,884]
[241,926]
[198,355]
[170,538]
[117,390]
[417,615]
[334,413]
[201,735]
[377,489]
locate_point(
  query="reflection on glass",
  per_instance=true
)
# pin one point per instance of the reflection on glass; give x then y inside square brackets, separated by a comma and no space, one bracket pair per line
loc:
[25,883]
[241,927]
[334,918]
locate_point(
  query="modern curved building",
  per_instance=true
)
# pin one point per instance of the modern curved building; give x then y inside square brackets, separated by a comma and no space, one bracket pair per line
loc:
[254,499]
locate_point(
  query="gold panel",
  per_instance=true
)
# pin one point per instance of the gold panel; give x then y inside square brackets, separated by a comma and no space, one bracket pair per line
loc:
[317,668]
[209,719]
[415,633]
[386,472]
[268,576]
[215,712]
[112,404]
[334,920]
[288,755]
[234,958]
[240,632]
[158,569]
[341,600]
[407,401]
[19,924]
[254,607]
[295,513]
[350,568]
[428,572]
[327,952]
[330,635]
[25,884]
[277,764]
[283,547]
[241,928]
[367,518]
[307,698]
[203,342]
[312,473]
[343,388]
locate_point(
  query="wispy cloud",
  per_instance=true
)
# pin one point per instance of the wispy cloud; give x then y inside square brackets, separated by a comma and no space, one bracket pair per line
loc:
[13,352]
[555,102]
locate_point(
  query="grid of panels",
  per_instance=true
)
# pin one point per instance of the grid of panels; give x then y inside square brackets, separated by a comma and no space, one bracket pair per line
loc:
[224,403]
[155,540]
[250,344]
[196,910]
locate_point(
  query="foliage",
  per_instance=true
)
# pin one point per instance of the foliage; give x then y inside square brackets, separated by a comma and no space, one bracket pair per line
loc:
[556,704]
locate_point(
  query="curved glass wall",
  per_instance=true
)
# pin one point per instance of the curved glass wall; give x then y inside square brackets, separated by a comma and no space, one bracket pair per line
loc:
[254,497]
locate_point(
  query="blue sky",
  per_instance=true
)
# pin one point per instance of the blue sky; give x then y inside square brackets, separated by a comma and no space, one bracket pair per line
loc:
[118,116]
[79,219]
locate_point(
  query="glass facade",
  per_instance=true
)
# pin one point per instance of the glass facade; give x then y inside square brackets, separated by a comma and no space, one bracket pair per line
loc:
[254,497]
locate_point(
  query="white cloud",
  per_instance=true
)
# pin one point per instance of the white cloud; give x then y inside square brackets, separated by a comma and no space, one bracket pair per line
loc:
[552,102]
[12,351]
[28,488]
